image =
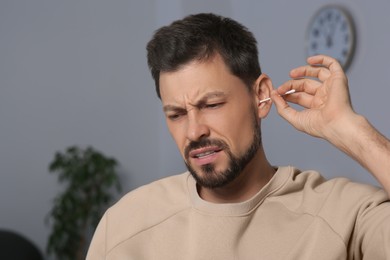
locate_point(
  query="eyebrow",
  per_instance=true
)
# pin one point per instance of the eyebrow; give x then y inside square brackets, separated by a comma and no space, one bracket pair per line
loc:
[200,101]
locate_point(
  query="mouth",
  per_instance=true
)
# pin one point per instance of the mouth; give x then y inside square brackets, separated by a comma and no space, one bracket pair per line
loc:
[205,155]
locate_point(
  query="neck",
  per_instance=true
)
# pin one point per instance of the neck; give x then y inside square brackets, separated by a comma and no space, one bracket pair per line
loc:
[251,180]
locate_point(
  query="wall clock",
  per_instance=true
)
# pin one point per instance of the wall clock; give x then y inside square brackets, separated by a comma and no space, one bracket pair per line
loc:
[331,32]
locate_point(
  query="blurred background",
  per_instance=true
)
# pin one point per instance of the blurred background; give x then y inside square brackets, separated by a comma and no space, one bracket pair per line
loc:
[75,73]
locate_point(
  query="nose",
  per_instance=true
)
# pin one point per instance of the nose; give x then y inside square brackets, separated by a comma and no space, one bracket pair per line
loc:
[196,128]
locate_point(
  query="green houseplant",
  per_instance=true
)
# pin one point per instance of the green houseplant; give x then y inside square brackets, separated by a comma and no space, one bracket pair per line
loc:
[90,179]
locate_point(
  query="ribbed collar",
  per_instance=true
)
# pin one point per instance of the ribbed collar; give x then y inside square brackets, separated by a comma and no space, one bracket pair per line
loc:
[242,208]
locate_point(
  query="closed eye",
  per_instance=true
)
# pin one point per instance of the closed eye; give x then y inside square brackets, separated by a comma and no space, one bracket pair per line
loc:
[175,116]
[213,105]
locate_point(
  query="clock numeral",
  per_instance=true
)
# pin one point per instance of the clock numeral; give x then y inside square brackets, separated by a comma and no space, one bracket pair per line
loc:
[345,53]
[329,15]
[344,26]
[316,32]
[314,45]
[346,38]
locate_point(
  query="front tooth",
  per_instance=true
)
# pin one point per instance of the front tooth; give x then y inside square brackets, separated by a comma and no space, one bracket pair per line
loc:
[204,154]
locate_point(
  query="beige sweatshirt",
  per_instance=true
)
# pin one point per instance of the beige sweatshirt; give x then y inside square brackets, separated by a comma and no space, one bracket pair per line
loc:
[297,215]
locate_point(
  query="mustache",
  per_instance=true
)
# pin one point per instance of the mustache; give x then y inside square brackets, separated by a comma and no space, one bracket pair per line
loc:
[204,143]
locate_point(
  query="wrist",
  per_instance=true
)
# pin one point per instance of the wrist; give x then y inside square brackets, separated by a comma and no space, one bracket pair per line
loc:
[347,131]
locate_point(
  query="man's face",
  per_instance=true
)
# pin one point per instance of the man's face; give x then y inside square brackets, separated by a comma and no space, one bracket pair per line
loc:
[212,118]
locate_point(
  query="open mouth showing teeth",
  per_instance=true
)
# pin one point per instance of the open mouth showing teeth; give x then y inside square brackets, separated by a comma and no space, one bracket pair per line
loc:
[203,154]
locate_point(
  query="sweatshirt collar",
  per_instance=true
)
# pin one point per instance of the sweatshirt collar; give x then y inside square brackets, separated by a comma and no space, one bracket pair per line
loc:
[242,208]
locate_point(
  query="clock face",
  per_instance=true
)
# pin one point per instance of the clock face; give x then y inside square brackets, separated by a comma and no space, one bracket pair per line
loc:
[331,32]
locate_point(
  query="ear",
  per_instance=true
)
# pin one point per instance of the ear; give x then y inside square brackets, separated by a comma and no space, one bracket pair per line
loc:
[263,88]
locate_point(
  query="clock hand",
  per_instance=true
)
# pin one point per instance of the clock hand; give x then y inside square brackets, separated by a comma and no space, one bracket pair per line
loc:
[332,28]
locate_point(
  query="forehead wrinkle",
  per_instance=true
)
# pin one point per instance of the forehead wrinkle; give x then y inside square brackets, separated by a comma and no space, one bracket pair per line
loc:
[195,103]
[177,106]
[208,95]
[217,93]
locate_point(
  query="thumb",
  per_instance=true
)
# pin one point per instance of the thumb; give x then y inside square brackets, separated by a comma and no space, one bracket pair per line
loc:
[283,108]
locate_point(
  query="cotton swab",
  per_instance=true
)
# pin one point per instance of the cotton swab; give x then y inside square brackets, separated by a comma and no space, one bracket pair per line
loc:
[287,93]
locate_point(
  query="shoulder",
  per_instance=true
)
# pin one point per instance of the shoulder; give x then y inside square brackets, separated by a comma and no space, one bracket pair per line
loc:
[145,207]
[313,181]
[310,192]
[358,213]
[162,191]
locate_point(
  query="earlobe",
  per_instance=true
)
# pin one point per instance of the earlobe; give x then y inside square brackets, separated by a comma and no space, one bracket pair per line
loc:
[263,89]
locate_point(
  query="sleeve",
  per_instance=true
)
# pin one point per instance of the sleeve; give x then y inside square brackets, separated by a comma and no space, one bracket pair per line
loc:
[373,229]
[97,248]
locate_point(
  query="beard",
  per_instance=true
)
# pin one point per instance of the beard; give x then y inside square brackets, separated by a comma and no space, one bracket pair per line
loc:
[211,178]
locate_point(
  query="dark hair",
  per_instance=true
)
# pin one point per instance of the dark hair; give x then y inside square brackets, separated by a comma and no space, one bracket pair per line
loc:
[200,37]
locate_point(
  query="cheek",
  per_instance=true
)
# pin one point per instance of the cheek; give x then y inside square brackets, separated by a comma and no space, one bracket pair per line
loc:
[236,126]
[242,133]
[178,136]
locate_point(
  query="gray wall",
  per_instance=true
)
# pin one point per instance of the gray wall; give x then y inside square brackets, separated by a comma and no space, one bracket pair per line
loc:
[74,72]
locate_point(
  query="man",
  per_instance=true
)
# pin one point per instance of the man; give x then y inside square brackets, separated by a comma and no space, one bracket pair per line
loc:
[232,203]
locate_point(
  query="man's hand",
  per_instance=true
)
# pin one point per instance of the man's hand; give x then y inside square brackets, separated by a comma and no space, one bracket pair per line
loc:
[322,90]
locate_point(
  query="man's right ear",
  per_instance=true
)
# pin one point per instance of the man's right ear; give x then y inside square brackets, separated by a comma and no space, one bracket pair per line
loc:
[263,88]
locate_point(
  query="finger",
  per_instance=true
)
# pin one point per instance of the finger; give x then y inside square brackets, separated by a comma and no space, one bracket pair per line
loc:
[300,85]
[301,98]
[332,64]
[314,71]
